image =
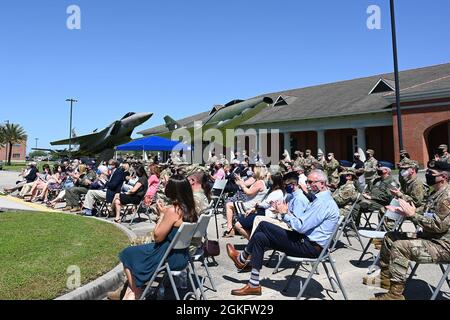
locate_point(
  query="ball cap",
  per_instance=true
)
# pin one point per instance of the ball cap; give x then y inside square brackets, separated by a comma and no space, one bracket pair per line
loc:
[370,151]
[443,146]
[439,165]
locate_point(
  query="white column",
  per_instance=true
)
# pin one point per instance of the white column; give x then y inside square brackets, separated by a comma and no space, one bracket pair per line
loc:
[287,141]
[321,141]
[361,137]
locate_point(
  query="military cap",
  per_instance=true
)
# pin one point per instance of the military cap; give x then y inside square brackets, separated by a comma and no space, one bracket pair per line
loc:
[348,171]
[331,154]
[194,168]
[443,147]
[409,164]
[403,151]
[370,151]
[297,152]
[298,168]
[439,165]
[308,151]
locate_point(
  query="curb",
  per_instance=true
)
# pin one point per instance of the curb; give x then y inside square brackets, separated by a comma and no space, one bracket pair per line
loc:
[97,289]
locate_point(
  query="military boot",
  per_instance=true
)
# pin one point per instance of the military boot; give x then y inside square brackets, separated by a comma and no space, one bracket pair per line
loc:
[395,292]
[381,280]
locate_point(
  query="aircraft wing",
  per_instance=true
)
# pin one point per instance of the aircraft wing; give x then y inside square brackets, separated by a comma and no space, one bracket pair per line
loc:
[79,140]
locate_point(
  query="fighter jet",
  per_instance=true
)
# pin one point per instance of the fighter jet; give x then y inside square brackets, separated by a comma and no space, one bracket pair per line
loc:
[102,143]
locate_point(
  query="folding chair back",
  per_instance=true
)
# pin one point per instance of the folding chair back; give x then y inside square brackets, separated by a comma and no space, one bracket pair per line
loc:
[184,236]
[202,224]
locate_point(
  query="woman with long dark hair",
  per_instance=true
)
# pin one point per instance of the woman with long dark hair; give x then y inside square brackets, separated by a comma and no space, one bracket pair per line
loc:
[140,262]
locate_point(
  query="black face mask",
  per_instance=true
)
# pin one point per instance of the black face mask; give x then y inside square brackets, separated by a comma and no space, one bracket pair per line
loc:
[441,152]
[380,172]
[431,180]
[342,180]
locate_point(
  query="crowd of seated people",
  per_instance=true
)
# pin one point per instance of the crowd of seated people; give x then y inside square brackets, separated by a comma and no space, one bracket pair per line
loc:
[293,209]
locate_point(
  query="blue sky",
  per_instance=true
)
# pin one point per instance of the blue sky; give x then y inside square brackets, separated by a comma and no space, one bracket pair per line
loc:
[180,57]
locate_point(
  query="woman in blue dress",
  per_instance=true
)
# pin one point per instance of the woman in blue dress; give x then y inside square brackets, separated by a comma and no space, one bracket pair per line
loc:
[140,262]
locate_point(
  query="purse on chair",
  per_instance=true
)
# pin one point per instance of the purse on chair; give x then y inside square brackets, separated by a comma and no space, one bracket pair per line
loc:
[211,248]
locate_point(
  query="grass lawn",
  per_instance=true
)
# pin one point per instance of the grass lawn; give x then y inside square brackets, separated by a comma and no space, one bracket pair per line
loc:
[37,248]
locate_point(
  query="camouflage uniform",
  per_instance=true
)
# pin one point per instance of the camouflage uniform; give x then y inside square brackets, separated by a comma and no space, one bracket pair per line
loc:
[430,246]
[413,189]
[370,170]
[300,161]
[403,164]
[345,196]
[331,168]
[308,162]
[381,196]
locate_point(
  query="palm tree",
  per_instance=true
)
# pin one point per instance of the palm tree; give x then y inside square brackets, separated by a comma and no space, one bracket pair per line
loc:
[11,134]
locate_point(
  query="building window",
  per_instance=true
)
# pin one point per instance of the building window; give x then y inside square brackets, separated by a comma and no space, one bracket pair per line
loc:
[16,156]
[17,145]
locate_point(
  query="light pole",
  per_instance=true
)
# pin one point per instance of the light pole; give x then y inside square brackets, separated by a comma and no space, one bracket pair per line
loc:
[70,130]
[36,142]
[397,82]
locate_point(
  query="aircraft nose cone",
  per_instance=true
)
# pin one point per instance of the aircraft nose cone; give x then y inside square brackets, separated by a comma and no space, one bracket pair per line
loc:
[145,116]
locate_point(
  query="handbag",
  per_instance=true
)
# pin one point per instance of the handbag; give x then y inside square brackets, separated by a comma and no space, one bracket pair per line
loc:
[211,248]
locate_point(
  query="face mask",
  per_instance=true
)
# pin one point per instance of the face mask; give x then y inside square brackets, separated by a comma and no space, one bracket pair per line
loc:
[380,172]
[441,152]
[110,167]
[290,189]
[329,158]
[405,173]
[431,180]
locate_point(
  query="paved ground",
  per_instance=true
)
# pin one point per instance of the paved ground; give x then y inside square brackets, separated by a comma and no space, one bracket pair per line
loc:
[227,278]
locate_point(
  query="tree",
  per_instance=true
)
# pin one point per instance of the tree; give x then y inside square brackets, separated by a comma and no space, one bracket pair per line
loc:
[12,134]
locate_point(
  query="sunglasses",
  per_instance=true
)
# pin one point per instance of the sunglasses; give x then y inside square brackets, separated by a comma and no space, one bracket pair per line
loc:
[313,181]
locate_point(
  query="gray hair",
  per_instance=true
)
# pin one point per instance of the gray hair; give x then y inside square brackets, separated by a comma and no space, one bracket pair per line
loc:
[322,176]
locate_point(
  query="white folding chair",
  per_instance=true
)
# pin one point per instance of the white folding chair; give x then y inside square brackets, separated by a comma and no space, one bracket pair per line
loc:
[444,278]
[324,258]
[218,185]
[379,234]
[181,241]
[199,256]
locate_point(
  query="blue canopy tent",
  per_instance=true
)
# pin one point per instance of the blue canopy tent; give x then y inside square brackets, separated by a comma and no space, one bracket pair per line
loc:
[153,144]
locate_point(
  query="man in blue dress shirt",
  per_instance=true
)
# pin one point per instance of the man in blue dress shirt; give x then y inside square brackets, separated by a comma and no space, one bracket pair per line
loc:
[311,231]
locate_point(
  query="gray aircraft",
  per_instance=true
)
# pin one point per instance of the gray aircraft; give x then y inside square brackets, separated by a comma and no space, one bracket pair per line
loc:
[101,144]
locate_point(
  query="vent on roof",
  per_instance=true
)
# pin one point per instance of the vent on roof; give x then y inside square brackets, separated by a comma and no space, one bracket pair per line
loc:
[280,102]
[383,85]
[284,101]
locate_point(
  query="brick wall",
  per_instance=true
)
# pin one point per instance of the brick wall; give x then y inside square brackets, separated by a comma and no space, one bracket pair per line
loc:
[20,151]
[417,124]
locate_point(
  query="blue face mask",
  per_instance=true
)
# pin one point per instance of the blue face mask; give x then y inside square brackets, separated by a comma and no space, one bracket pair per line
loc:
[290,189]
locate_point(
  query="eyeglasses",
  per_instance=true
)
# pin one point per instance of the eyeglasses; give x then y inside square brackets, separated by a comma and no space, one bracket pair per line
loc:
[313,181]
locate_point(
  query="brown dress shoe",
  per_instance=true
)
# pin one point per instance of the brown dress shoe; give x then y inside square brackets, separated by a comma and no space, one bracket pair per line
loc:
[247,291]
[234,256]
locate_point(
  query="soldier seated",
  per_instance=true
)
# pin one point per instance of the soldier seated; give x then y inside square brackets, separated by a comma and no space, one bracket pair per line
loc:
[346,193]
[378,196]
[432,245]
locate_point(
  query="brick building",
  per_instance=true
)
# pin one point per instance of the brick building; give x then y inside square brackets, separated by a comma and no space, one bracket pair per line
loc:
[19,153]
